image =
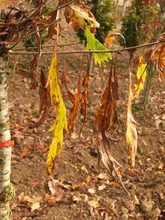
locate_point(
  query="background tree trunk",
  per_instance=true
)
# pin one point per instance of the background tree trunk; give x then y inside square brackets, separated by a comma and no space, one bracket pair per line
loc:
[124,7]
[6,189]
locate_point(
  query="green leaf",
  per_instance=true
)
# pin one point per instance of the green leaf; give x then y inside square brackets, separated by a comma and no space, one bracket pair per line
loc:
[94,44]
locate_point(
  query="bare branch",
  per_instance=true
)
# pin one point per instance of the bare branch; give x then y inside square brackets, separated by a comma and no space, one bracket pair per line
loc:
[12,52]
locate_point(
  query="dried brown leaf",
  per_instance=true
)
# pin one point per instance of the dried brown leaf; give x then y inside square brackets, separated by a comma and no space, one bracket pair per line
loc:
[106,117]
[159,55]
[75,99]
[45,100]
[84,96]
[75,108]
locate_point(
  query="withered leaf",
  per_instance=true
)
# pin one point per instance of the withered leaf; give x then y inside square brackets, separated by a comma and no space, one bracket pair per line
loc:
[109,39]
[83,11]
[105,118]
[77,14]
[75,99]
[65,77]
[106,115]
[75,108]
[131,134]
[159,55]
[75,21]
[45,101]
[84,95]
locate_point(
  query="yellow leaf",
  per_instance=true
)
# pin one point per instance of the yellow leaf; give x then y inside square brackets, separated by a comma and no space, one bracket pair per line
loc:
[141,76]
[131,133]
[60,123]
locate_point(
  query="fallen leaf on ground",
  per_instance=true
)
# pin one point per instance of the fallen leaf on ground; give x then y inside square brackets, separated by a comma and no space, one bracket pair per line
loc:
[94,203]
[35,206]
[103,176]
[80,197]
[56,187]
[34,201]
[51,200]
[101,187]
[91,190]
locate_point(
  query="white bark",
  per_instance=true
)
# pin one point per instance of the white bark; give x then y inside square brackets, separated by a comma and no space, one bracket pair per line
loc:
[6,191]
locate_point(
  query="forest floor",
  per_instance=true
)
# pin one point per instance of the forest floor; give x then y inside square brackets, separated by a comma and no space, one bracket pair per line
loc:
[80,189]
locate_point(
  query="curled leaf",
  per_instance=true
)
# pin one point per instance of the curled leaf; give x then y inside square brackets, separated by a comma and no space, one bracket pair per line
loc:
[75,21]
[82,11]
[106,117]
[159,55]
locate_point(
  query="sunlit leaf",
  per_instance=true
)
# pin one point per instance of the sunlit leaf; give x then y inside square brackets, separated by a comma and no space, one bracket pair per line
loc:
[60,123]
[94,44]
[141,76]
[131,133]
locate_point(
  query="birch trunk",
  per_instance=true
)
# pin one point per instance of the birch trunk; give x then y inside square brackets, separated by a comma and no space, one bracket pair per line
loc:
[6,189]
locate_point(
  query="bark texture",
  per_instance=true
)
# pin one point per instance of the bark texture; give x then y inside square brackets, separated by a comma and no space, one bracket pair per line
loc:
[6,190]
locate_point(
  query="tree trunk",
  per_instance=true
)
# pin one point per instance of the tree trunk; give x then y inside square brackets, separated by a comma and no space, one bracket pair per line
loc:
[116,8]
[124,7]
[6,189]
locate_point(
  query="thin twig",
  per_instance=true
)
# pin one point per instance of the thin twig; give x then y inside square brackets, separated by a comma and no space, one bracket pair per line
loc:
[65,5]
[33,32]
[12,52]
[44,26]
[48,46]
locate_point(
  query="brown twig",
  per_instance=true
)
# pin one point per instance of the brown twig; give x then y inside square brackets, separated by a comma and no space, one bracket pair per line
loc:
[48,46]
[90,51]
[65,5]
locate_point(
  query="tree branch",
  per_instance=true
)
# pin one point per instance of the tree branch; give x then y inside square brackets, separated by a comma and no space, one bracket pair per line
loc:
[12,52]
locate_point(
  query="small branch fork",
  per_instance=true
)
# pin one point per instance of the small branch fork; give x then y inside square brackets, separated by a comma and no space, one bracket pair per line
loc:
[12,52]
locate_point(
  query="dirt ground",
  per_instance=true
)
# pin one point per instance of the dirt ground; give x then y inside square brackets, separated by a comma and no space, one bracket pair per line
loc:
[80,189]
